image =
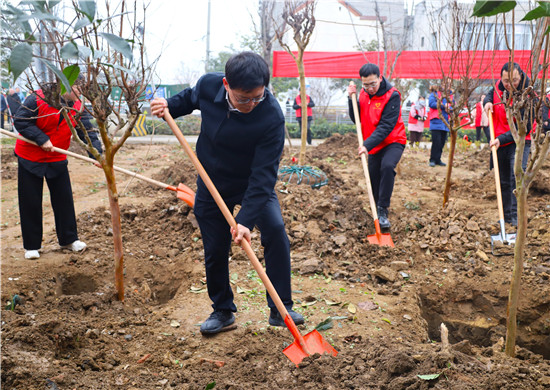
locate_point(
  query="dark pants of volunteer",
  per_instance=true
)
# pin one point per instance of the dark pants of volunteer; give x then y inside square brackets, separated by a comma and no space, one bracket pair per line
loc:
[217,239]
[382,172]
[506,156]
[439,138]
[30,189]
[309,119]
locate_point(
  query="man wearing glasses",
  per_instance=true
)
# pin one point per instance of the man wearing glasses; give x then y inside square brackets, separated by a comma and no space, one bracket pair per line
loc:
[511,81]
[384,135]
[240,144]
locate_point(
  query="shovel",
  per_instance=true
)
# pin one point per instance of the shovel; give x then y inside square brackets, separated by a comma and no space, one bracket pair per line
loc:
[182,191]
[383,239]
[502,239]
[302,346]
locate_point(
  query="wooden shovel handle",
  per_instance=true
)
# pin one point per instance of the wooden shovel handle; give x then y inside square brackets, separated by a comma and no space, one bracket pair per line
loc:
[92,161]
[364,162]
[495,167]
[231,221]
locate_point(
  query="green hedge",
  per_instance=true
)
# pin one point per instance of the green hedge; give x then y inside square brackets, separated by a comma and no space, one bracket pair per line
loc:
[321,128]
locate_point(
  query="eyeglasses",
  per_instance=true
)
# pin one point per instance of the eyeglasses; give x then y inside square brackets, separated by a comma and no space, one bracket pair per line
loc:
[254,100]
[370,85]
[506,81]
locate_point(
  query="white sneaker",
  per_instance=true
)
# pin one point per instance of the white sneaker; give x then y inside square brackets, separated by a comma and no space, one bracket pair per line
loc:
[32,255]
[76,246]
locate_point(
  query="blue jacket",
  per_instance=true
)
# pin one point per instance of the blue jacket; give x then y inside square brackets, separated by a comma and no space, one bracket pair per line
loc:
[240,152]
[436,123]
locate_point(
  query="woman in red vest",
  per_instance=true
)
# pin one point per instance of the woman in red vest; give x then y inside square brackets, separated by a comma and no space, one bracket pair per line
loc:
[481,121]
[384,134]
[298,107]
[45,125]
[510,81]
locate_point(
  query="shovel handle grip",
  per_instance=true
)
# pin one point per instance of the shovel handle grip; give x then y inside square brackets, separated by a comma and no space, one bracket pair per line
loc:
[364,163]
[231,221]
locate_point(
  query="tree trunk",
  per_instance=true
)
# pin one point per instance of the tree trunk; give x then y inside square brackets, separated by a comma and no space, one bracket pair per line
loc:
[515,283]
[449,167]
[301,72]
[117,232]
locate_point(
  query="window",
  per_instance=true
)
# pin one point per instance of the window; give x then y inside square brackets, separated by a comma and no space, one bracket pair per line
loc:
[422,42]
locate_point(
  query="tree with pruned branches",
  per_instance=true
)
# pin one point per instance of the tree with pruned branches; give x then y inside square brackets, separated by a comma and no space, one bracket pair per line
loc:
[107,52]
[529,99]
[299,17]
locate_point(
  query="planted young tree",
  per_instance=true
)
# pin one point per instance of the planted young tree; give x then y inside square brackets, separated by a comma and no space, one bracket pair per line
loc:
[524,101]
[101,50]
[459,60]
[299,16]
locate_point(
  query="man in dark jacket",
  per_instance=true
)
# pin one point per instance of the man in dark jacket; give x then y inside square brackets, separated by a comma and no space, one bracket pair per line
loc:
[37,121]
[384,134]
[511,81]
[240,144]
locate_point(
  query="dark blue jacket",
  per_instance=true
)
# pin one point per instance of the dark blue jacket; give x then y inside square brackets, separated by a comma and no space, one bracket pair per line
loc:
[240,152]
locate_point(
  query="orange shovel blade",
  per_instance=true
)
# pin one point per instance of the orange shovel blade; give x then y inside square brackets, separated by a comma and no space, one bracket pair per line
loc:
[384,240]
[186,194]
[314,342]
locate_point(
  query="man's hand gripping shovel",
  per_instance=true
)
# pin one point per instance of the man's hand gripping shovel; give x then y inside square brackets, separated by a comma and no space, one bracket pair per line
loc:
[383,239]
[302,346]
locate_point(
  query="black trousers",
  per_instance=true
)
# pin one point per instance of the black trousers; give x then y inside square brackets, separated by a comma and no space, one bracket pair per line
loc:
[439,137]
[309,119]
[217,240]
[506,155]
[30,189]
[382,172]
[485,131]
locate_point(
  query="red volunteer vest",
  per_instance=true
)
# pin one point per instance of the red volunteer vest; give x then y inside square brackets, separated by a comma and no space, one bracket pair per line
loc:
[51,122]
[299,110]
[479,114]
[434,112]
[371,111]
[500,123]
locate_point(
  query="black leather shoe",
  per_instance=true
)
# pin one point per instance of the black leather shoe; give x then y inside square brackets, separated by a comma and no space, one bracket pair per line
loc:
[432,164]
[275,318]
[218,320]
[441,164]
[383,217]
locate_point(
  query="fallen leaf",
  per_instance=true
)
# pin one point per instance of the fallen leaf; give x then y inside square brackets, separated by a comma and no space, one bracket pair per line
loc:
[388,321]
[429,377]
[352,309]
[326,324]
[174,324]
[331,303]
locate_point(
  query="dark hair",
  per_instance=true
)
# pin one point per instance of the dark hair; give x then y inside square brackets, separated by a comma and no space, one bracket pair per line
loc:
[246,71]
[368,69]
[506,68]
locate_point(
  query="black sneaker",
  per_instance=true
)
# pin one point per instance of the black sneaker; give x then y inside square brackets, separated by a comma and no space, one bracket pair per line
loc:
[275,318]
[383,217]
[441,164]
[432,164]
[218,320]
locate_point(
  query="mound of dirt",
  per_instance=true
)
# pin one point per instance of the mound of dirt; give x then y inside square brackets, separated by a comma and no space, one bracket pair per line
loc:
[381,307]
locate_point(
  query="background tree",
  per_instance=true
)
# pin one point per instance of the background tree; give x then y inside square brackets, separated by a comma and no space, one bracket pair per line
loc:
[456,46]
[299,16]
[108,51]
[527,101]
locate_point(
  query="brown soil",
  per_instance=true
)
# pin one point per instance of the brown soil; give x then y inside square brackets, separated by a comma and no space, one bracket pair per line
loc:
[385,304]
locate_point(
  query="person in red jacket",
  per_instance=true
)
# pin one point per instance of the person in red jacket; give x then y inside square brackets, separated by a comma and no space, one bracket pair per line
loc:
[298,107]
[39,122]
[384,134]
[511,80]
[481,121]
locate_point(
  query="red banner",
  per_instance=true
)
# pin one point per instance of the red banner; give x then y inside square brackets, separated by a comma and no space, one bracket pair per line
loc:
[409,64]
